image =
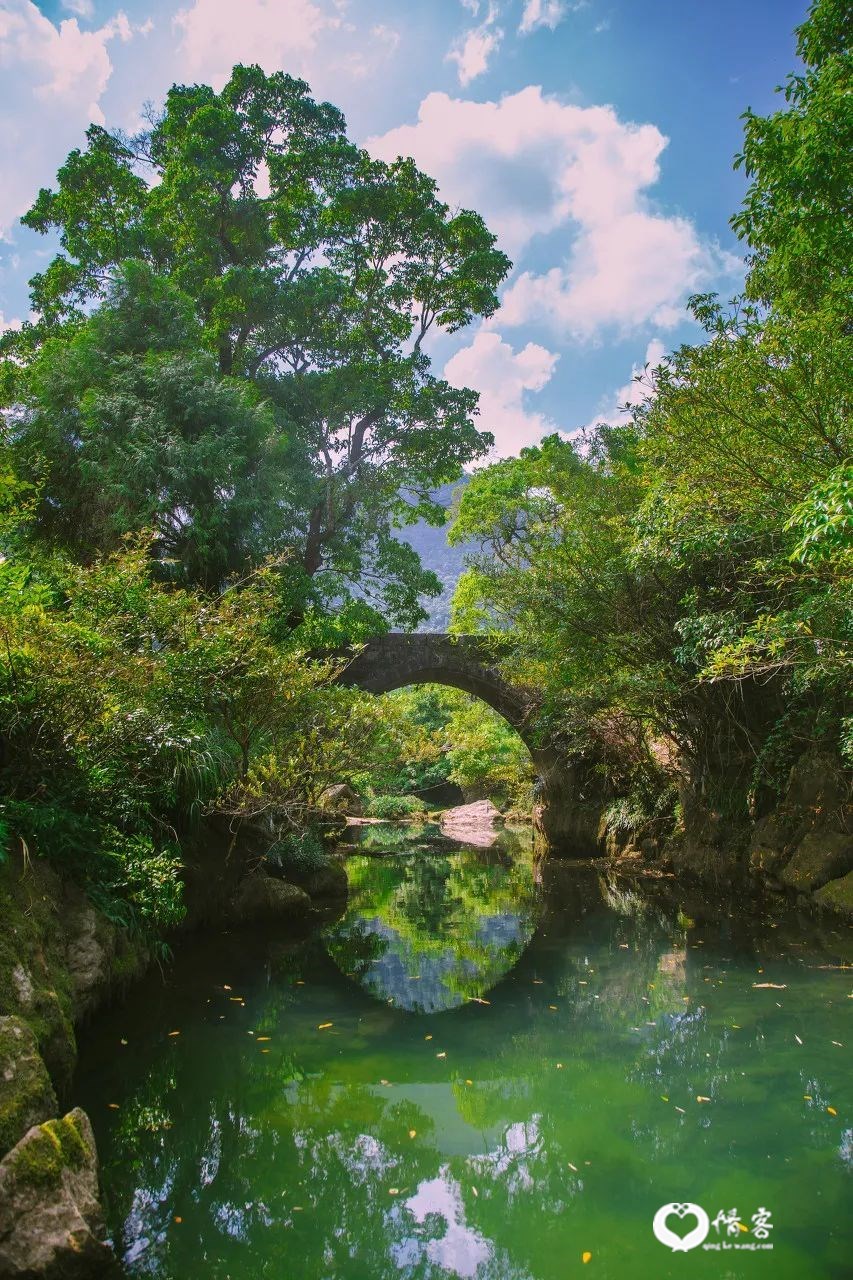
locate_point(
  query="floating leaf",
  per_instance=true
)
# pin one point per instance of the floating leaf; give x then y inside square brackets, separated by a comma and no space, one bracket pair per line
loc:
[174,1033]
[586,1256]
[797,1038]
[324,1026]
[441,1055]
[701,1098]
[832,1111]
[260,1039]
[770,986]
[413,1133]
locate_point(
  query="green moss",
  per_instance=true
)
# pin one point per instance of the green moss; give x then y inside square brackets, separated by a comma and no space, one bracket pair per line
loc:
[57,1145]
[26,1094]
[32,944]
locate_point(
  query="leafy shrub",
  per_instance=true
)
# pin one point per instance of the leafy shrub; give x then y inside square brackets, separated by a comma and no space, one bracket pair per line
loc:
[299,851]
[392,807]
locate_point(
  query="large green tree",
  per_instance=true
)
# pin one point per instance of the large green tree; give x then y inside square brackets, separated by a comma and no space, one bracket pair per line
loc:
[313,275]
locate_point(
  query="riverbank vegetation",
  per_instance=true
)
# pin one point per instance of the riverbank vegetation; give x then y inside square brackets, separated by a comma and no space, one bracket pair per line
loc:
[680,583]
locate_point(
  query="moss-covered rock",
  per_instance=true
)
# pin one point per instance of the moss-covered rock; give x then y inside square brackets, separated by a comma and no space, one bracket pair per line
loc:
[821,856]
[26,1093]
[34,981]
[51,1224]
[837,896]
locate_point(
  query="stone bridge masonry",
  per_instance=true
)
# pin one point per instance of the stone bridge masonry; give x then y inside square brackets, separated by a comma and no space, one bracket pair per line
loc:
[469,663]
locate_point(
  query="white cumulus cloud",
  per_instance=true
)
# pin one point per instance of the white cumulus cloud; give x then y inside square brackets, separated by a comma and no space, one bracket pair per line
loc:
[56,75]
[277,34]
[504,378]
[533,164]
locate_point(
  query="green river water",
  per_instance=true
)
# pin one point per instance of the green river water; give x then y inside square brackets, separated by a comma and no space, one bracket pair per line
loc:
[484,1070]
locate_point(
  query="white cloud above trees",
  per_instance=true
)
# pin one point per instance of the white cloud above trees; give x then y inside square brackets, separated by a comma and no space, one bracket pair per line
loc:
[534,165]
[56,77]
[277,34]
[473,51]
[504,377]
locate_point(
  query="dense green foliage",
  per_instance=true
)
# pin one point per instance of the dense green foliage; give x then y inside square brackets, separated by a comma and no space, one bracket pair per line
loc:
[681,585]
[442,735]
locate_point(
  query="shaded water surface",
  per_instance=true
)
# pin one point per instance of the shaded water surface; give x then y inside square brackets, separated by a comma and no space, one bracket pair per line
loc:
[485,1071]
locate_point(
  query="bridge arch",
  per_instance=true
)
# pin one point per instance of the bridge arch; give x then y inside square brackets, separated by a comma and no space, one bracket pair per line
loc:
[469,663]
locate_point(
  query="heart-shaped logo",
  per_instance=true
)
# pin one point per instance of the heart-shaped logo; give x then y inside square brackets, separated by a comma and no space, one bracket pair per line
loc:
[673,1241]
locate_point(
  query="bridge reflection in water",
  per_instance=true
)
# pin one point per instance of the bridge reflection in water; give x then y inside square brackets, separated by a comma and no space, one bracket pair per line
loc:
[426,931]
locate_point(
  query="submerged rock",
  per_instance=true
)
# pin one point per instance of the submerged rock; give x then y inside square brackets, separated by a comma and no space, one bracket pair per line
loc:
[821,856]
[262,897]
[51,1223]
[26,1093]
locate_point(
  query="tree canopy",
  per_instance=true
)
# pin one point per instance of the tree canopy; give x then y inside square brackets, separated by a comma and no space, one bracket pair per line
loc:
[236,324]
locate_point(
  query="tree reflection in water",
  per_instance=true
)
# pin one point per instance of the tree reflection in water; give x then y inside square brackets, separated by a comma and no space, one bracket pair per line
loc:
[476,1140]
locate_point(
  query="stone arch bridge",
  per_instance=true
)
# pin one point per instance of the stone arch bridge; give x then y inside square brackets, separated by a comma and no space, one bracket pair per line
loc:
[470,663]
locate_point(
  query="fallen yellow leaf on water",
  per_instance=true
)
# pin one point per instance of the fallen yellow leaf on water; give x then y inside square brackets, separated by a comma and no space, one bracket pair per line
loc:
[770,986]
[807,1097]
[262,1038]
[179,1219]
[559,1066]
[174,1033]
[413,1133]
[324,1026]
[125,1042]
[552,1006]
[681,1109]
[264,1050]
[427,1037]
[537,982]
[585,1257]
[393,1191]
[573,1167]
[469,1081]
[664,1098]
[701,1098]
[476,1192]
[477,1000]
[742,1227]
[797,1038]
[387,1082]
[236,999]
[832,1111]
[226,987]
[441,1055]
[113,1106]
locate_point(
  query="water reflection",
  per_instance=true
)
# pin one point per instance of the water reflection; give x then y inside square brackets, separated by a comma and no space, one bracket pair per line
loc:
[430,931]
[302,1125]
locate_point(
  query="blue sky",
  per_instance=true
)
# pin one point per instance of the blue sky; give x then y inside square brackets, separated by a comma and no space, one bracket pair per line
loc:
[595,136]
